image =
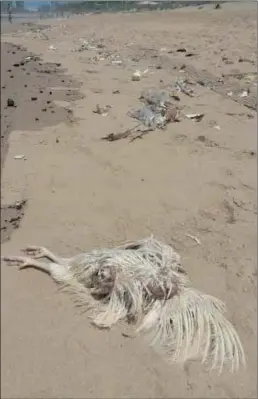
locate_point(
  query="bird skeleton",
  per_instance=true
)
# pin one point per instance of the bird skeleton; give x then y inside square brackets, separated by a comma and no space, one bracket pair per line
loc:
[143,283]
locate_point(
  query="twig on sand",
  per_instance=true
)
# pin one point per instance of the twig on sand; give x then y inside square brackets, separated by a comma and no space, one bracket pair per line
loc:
[120,135]
[117,136]
[44,35]
[194,238]
[128,334]
[141,134]
[241,205]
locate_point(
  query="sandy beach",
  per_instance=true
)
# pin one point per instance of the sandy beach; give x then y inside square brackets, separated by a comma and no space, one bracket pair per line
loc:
[192,185]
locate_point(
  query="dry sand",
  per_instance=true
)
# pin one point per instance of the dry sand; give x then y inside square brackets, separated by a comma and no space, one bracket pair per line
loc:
[84,193]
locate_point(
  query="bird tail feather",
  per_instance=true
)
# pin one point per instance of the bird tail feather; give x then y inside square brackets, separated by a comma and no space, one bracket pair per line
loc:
[192,325]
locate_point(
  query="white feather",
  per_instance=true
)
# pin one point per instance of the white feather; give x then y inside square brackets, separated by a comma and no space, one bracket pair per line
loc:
[182,323]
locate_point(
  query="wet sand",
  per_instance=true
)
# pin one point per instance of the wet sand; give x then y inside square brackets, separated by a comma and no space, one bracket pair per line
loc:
[28,102]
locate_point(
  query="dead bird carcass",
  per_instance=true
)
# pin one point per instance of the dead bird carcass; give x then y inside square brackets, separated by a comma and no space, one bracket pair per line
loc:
[143,282]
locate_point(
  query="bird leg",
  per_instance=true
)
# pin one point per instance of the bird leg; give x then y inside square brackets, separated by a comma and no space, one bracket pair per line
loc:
[41,252]
[24,261]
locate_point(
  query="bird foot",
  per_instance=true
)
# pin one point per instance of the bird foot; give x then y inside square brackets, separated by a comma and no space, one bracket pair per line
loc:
[35,252]
[19,261]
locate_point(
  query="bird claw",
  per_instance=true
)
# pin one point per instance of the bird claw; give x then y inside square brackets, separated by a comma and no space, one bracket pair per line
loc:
[34,252]
[19,261]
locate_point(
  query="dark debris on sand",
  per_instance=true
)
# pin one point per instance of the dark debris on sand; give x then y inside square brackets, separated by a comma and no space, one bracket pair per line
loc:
[29,89]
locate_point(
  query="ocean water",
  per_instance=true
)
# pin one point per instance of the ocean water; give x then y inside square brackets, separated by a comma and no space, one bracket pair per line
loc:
[33,5]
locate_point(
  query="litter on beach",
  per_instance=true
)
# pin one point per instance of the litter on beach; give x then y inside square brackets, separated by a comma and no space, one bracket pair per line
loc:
[20,156]
[196,117]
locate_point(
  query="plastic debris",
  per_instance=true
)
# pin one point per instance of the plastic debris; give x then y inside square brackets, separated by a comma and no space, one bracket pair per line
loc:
[51,47]
[196,117]
[82,47]
[244,93]
[117,62]
[21,156]
[156,97]
[136,76]
[86,46]
[158,109]
[101,110]
[194,238]
[182,86]
[149,117]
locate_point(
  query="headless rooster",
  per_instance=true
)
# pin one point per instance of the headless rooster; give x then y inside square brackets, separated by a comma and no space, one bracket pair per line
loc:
[143,282]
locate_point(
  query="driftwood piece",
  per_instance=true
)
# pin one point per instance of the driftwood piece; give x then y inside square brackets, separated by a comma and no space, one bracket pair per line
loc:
[141,134]
[120,135]
[117,136]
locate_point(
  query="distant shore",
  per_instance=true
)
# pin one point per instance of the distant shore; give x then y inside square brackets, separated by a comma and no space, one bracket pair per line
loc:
[19,18]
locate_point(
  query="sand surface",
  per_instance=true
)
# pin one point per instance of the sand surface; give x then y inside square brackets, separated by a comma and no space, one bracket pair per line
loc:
[28,102]
[194,178]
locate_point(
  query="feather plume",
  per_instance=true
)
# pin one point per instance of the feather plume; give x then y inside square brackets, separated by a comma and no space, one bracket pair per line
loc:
[143,282]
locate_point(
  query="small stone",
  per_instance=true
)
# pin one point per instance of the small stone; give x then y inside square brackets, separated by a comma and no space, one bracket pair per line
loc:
[201,138]
[10,102]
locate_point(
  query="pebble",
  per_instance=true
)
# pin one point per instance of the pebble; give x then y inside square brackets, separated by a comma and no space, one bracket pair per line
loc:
[10,102]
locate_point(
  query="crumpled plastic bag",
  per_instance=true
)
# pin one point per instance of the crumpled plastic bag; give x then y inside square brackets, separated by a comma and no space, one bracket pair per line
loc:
[148,117]
[156,97]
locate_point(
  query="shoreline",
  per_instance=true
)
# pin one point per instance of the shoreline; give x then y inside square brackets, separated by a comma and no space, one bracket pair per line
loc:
[26,90]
